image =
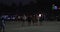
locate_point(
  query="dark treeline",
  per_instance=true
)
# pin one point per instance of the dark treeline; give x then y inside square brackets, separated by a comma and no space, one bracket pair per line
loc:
[42,6]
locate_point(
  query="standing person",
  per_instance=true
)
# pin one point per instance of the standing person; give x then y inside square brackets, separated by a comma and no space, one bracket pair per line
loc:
[24,19]
[3,23]
[0,24]
[29,20]
[34,20]
[41,18]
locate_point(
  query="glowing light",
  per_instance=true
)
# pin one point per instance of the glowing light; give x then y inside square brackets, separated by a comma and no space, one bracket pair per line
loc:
[54,7]
[39,15]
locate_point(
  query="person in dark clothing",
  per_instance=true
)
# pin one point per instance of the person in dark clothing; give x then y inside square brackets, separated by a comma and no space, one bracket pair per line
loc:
[2,24]
[34,19]
[29,20]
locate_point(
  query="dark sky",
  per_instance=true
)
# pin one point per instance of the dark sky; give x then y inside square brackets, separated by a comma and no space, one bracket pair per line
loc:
[9,2]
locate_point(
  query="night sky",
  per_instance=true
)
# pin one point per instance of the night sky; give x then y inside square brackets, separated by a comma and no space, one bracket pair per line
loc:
[42,3]
[9,2]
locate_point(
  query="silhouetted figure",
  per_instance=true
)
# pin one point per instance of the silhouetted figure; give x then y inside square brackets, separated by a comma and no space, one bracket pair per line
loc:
[2,24]
[24,19]
[34,19]
[41,19]
[29,20]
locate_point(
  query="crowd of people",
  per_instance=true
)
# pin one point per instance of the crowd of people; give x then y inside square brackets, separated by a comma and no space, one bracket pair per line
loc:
[24,18]
[7,13]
